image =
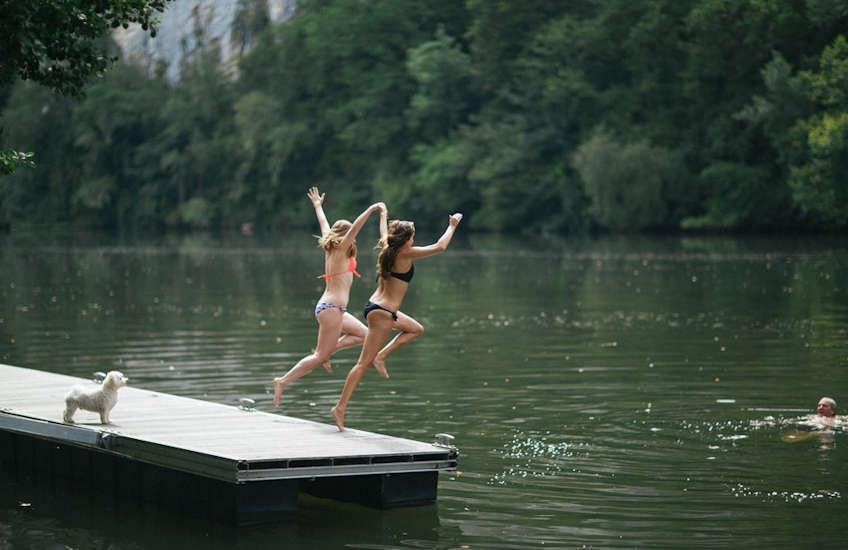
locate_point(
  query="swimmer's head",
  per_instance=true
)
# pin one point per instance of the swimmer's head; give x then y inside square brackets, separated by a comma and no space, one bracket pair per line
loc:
[826,407]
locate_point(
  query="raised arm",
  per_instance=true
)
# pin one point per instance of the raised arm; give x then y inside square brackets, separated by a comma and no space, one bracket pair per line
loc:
[440,245]
[317,199]
[384,225]
[358,223]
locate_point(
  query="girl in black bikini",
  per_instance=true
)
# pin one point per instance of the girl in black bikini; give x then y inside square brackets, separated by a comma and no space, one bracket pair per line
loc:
[394,272]
[339,244]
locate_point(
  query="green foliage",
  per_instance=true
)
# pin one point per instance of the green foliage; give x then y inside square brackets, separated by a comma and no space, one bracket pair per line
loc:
[817,173]
[829,83]
[715,114]
[55,43]
[783,103]
[12,160]
[38,121]
[196,212]
[445,78]
[340,110]
[819,185]
[250,20]
[110,128]
[739,196]
[437,186]
[631,185]
[59,44]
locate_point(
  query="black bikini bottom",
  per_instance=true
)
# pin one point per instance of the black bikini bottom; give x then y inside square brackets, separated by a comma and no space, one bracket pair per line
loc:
[371,306]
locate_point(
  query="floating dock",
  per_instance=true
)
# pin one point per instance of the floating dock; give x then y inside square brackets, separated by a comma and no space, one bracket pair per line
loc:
[240,465]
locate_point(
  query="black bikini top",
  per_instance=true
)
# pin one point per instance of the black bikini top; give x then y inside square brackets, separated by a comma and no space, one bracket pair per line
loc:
[406,277]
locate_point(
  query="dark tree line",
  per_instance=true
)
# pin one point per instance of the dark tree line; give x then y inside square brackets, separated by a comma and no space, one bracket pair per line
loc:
[540,115]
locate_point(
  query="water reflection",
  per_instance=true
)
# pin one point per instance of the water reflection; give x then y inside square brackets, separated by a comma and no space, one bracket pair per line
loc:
[35,513]
[606,393]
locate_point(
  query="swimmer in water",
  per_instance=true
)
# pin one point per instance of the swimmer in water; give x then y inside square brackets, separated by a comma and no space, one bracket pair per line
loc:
[819,425]
[825,416]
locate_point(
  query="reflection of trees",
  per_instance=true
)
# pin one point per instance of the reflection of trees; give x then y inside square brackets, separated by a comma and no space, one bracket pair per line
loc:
[64,302]
[493,307]
[731,307]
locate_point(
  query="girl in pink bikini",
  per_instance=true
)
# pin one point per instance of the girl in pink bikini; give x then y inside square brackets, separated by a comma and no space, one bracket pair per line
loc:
[339,244]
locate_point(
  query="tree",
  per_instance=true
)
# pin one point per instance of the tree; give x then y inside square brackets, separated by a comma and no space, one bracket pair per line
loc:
[38,120]
[818,180]
[55,43]
[632,185]
[445,77]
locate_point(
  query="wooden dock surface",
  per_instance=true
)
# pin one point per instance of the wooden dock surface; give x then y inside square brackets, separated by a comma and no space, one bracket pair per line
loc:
[221,441]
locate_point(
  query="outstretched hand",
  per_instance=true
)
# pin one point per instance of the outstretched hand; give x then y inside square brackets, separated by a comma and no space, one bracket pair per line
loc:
[455,219]
[315,196]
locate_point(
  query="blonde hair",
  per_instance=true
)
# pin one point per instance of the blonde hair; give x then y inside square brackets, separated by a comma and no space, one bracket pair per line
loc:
[335,236]
[399,231]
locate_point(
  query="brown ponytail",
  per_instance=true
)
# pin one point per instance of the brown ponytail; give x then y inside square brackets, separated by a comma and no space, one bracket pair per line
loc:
[398,233]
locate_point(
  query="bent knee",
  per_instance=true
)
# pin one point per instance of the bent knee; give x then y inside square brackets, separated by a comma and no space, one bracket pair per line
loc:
[356,339]
[359,369]
[417,331]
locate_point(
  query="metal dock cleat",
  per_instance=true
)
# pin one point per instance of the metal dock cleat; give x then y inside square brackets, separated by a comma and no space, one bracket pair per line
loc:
[444,440]
[246,404]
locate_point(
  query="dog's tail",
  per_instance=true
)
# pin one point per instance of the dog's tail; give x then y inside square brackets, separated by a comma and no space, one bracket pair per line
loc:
[74,392]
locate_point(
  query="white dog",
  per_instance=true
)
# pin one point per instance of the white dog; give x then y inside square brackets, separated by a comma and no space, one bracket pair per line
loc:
[100,400]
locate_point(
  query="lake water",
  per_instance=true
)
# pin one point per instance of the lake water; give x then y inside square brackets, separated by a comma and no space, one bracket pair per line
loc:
[617,392]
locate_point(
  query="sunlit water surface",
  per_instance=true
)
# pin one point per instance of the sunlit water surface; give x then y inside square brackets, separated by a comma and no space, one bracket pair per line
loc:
[604,393]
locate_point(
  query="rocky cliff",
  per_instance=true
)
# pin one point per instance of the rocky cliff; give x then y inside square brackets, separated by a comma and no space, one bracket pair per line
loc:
[188,26]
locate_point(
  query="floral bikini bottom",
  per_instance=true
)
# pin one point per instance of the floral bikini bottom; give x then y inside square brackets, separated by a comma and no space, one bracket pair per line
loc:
[321,306]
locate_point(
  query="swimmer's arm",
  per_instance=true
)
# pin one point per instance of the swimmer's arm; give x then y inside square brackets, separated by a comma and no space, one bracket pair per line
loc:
[439,246]
[317,199]
[797,436]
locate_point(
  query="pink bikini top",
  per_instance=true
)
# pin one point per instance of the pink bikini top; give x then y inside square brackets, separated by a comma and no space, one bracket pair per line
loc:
[351,268]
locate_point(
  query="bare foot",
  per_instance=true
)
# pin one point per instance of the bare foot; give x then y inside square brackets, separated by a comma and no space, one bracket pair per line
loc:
[327,366]
[380,367]
[278,390]
[339,416]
